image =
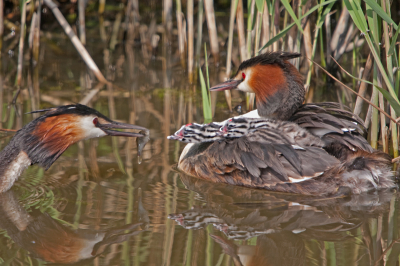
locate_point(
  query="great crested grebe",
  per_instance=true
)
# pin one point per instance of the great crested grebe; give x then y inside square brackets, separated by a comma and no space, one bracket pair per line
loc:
[284,145]
[44,139]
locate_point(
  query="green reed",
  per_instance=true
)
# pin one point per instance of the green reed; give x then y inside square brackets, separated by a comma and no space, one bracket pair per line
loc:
[205,91]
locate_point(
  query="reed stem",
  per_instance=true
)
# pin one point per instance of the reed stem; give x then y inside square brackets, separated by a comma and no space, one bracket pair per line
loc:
[363,85]
[250,27]
[75,41]
[199,33]
[212,30]
[167,18]
[181,38]
[1,26]
[240,30]
[102,5]
[190,39]
[81,12]
[384,131]
[258,30]
[36,34]
[265,26]
[21,45]
[229,52]
[389,65]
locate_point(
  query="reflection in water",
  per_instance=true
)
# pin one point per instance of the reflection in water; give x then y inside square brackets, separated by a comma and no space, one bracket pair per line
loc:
[47,239]
[279,221]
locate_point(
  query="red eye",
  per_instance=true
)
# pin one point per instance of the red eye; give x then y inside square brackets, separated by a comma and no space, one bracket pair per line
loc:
[95,121]
[243,75]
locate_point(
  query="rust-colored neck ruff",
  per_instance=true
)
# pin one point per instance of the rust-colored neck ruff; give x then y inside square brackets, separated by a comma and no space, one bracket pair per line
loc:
[279,90]
[57,133]
[267,80]
[51,137]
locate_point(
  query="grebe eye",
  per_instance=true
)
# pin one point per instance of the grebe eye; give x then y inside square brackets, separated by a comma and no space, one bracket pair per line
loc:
[95,121]
[243,75]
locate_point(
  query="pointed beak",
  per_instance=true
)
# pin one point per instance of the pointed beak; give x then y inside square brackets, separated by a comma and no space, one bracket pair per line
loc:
[178,134]
[107,128]
[227,85]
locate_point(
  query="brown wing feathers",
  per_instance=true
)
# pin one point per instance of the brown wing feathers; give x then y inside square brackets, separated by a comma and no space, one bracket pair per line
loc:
[256,159]
[332,125]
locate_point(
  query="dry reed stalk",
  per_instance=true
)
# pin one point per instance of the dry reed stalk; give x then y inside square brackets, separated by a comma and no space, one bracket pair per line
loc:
[199,35]
[190,109]
[31,33]
[230,38]
[351,90]
[345,42]
[181,109]
[265,26]
[229,52]
[8,130]
[363,86]
[340,31]
[54,100]
[250,96]
[240,30]
[128,17]
[167,18]
[36,34]
[190,47]
[31,92]
[258,32]
[1,24]
[75,41]
[328,37]
[102,5]
[143,40]
[81,11]
[1,96]
[93,92]
[276,25]
[389,63]
[36,83]
[212,30]
[131,16]
[21,45]
[249,29]
[102,29]
[114,35]
[385,139]
[181,38]
[307,41]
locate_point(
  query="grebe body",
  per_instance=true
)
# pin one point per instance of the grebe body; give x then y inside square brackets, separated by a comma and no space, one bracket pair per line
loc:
[288,146]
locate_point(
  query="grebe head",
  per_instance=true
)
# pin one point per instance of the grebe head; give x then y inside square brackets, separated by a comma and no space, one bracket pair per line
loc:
[47,137]
[276,82]
[197,133]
